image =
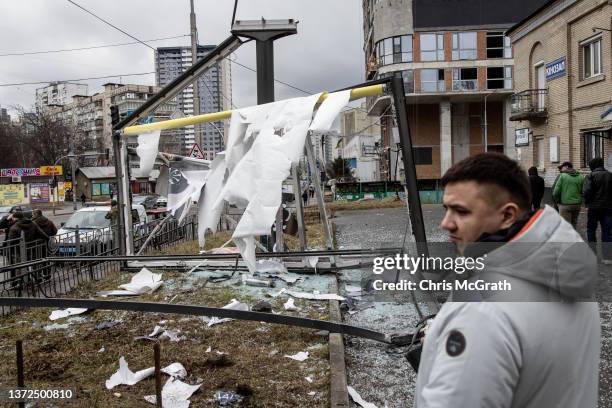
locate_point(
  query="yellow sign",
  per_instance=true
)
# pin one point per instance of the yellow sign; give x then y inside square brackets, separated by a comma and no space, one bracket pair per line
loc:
[11,194]
[67,185]
[51,170]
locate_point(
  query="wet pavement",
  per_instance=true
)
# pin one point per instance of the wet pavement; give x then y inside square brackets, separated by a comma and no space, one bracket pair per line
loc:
[379,373]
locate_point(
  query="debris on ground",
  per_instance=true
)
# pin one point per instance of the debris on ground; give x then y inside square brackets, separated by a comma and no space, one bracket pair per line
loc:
[143,282]
[225,398]
[290,306]
[175,394]
[251,281]
[125,376]
[314,296]
[301,356]
[270,266]
[262,306]
[234,305]
[71,311]
[175,370]
[358,400]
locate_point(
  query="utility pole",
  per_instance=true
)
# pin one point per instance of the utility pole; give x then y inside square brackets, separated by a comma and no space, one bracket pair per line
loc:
[194,58]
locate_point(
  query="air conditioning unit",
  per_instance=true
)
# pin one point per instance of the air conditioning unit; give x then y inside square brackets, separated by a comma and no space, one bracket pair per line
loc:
[16,179]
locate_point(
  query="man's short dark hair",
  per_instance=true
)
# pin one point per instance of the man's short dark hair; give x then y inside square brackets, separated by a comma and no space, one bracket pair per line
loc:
[596,163]
[18,215]
[37,213]
[494,169]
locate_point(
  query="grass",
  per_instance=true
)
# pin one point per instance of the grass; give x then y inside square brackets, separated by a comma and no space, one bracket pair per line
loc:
[254,364]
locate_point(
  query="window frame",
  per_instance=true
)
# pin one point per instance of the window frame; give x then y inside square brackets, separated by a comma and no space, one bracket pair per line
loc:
[595,146]
[401,50]
[418,159]
[457,79]
[458,50]
[506,78]
[437,51]
[439,84]
[589,45]
[506,46]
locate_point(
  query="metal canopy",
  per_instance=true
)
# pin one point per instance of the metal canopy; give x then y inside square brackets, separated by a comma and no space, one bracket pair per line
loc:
[264,30]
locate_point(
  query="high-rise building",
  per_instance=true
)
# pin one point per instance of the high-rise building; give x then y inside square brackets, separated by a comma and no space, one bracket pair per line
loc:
[214,88]
[58,93]
[4,116]
[457,66]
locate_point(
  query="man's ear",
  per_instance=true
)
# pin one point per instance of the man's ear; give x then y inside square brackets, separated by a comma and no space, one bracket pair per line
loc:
[510,214]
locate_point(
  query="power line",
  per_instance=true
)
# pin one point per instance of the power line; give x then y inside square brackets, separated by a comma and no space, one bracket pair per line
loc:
[79,79]
[89,48]
[110,24]
[277,80]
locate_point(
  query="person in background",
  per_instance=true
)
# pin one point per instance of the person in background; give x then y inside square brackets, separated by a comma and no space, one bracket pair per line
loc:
[305,197]
[83,199]
[597,193]
[567,193]
[45,224]
[537,188]
[113,214]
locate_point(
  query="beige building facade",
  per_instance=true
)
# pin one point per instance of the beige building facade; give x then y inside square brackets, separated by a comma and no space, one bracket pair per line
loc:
[563,85]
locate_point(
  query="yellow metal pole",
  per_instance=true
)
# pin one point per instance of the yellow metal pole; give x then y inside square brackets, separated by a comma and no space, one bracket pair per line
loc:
[356,93]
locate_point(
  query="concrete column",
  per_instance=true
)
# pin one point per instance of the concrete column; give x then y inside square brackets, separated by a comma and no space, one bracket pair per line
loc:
[446,157]
[509,130]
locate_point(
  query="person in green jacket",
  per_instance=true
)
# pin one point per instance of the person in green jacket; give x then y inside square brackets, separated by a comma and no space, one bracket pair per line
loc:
[567,192]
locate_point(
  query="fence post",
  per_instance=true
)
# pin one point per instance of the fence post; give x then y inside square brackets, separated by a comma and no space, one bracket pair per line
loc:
[20,377]
[158,386]
[77,241]
[22,248]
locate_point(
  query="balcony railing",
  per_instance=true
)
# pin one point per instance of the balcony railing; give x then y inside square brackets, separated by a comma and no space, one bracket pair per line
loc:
[465,85]
[530,104]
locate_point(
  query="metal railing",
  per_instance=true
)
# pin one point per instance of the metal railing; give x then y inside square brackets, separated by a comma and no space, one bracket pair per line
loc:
[532,102]
[465,85]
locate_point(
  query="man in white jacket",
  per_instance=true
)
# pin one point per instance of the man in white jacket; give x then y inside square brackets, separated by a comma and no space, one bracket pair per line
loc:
[535,346]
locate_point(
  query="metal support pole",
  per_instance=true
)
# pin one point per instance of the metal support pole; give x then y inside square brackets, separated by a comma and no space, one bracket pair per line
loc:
[320,201]
[127,203]
[297,193]
[158,386]
[20,375]
[414,201]
[117,142]
[74,183]
[194,59]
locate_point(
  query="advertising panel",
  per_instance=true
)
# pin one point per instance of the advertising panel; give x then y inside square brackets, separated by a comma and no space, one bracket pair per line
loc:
[11,194]
[39,193]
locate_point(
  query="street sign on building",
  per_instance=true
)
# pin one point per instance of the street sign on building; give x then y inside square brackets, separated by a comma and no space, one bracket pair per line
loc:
[196,152]
[51,170]
[521,137]
[555,69]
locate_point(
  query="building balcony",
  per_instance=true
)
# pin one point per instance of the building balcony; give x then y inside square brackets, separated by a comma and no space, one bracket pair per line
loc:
[531,104]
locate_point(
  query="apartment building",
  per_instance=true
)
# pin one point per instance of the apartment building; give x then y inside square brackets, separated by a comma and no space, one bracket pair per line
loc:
[360,143]
[58,93]
[90,115]
[562,105]
[457,66]
[215,94]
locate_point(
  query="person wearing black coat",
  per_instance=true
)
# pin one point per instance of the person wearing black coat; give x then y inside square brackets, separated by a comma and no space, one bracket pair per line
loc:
[537,188]
[597,194]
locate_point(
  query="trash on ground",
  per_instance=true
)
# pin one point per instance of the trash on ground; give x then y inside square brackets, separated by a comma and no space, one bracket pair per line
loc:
[301,356]
[56,326]
[358,400]
[107,324]
[309,379]
[257,282]
[270,266]
[311,261]
[102,350]
[143,282]
[233,305]
[127,377]
[71,311]
[175,394]
[290,305]
[175,370]
[314,296]
[225,398]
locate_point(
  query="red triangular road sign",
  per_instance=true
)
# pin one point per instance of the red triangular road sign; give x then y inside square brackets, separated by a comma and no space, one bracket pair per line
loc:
[196,152]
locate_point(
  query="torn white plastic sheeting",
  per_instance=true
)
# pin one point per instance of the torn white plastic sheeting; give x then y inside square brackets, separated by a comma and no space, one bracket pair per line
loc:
[301,356]
[127,377]
[175,394]
[186,178]
[148,147]
[263,142]
[209,211]
[311,261]
[358,400]
[175,370]
[143,282]
[314,296]
[234,305]
[71,311]
[290,305]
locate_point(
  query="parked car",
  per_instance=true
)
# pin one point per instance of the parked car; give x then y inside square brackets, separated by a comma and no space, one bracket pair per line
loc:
[149,201]
[95,231]
[10,209]
[161,202]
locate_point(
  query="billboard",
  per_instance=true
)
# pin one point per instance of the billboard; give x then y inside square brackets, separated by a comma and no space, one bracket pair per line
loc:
[39,193]
[51,170]
[20,172]
[11,194]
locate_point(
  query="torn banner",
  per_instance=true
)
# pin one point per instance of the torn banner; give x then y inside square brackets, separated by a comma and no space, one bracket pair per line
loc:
[263,142]
[186,178]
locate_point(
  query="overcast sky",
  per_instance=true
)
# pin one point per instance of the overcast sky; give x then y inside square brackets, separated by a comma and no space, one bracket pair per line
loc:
[326,53]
